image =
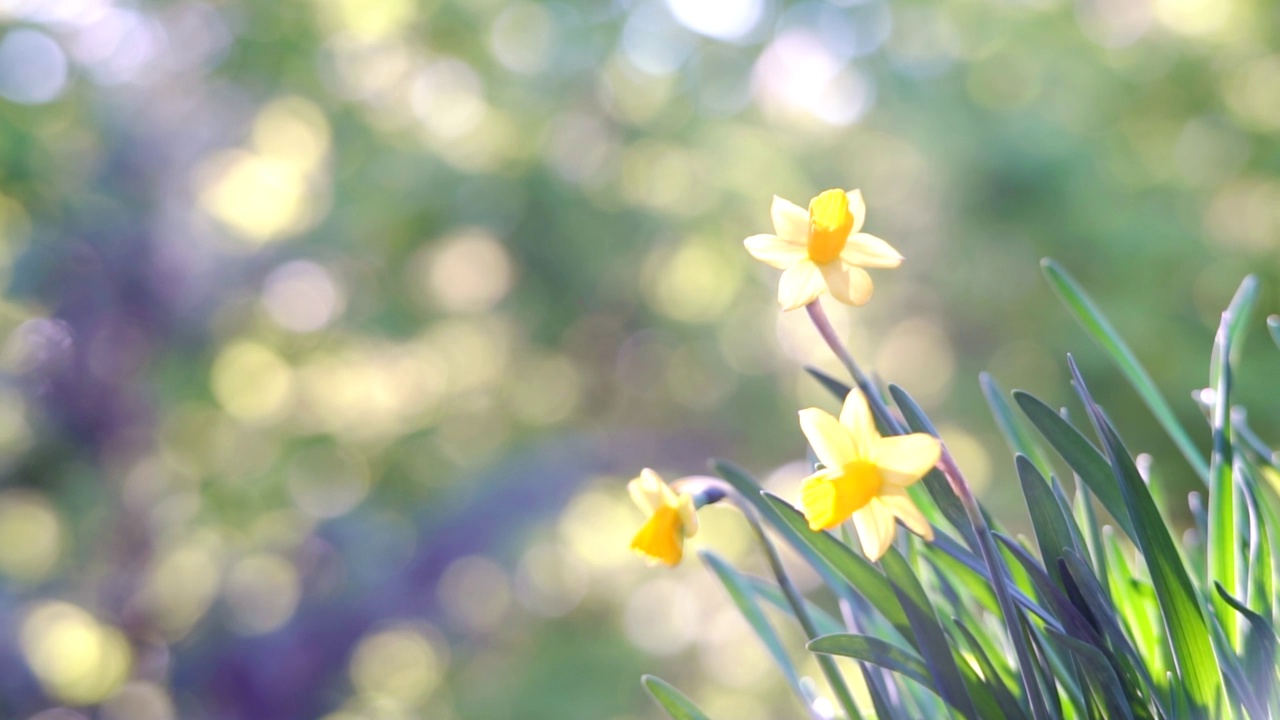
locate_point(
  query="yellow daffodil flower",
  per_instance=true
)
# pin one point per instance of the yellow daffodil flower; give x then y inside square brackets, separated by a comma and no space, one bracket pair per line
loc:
[822,249]
[672,518]
[865,476]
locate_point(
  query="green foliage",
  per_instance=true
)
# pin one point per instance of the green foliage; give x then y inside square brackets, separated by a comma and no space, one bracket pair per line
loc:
[1079,622]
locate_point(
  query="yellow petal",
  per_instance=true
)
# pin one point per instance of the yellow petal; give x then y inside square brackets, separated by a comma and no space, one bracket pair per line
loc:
[790,221]
[900,504]
[849,284]
[820,502]
[904,459]
[831,441]
[856,416]
[800,285]
[870,251]
[876,528]
[688,515]
[660,537]
[857,208]
[775,250]
[648,491]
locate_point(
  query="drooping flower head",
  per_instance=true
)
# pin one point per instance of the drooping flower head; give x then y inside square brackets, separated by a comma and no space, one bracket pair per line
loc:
[672,514]
[864,476]
[822,249]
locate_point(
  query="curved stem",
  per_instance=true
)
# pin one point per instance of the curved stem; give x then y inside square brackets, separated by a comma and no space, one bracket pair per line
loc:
[828,333]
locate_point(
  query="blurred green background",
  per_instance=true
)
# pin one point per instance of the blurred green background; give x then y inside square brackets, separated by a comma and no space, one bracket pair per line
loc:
[333,328]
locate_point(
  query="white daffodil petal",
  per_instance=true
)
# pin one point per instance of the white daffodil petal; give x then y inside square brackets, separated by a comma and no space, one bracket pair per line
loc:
[856,416]
[648,491]
[848,284]
[901,505]
[870,251]
[904,459]
[776,251]
[790,221]
[876,528]
[857,208]
[830,440]
[800,285]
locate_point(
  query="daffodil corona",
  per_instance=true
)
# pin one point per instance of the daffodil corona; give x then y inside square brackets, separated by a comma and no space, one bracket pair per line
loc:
[822,249]
[864,476]
[673,517]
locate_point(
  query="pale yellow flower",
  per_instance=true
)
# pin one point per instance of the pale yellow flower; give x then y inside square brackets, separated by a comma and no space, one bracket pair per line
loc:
[865,476]
[822,249]
[672,518]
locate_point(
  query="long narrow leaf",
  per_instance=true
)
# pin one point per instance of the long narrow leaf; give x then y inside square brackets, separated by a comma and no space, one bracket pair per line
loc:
[1052,526]
[1184,620]
[875,651]
[740,592]
[1009,706]
[1222,543]
[1096,324]
[1100,673]
[672,700]
[1080,454]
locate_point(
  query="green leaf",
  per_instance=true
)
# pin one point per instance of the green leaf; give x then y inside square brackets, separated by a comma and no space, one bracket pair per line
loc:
[772,594]
[750,491]
[931,640]
[1240,311]
[1100,673]
[740,592]
[1096,324]
[672,700]
[875,651]
[835,387]
[1222,543]
[1273,325]
[1052,526]
[842,561]
[1010,709]
[934,482]
[1185,624]
[1019,440]
[1080,454]
[1259,671]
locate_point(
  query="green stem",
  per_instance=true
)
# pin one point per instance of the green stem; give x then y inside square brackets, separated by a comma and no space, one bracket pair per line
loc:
[881,411]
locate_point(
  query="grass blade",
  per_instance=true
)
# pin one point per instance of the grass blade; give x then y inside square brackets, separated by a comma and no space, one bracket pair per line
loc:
[841,560]
[1100,673]
[1184,620]
[740,592]
[877,652]
[1010,708]
[672,700]
[1096,324]
[1089,464]
[1052,527]
[1259,670]
[931,640]
[1222,544]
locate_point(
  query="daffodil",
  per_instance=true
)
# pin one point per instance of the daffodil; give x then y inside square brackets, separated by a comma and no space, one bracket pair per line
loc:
[822,249]
[864,476]
[672,518]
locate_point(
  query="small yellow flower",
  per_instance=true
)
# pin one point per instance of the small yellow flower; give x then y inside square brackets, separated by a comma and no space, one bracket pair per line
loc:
[865,476]
[672,518]
[822,249]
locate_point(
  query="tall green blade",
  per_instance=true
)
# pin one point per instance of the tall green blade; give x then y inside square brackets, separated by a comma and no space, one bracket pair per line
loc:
[1052,526]
[1010,709]
[931,640]
[1100,673]
[1222,544]
[1080,454]
[1184,621]
[1273,325]
[1096,324]
[840,559]
[877,652]
[672,700]
[740,592]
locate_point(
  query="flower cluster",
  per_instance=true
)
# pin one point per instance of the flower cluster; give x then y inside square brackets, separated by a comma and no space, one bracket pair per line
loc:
[863,475]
